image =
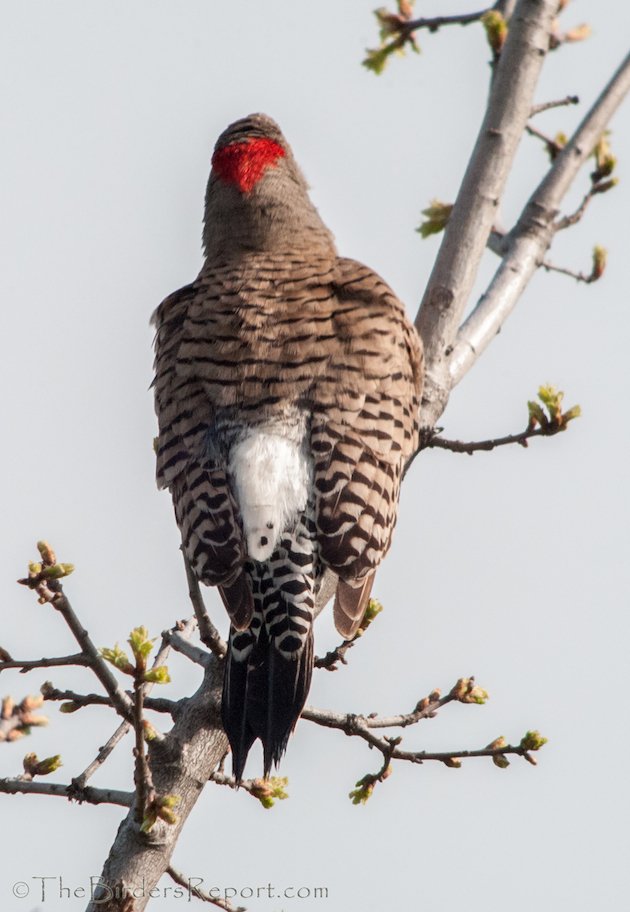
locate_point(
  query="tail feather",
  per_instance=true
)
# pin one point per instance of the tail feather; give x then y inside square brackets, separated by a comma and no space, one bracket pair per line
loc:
[263,697]
[288,684]
[235,697]
[350,604]
[270,664]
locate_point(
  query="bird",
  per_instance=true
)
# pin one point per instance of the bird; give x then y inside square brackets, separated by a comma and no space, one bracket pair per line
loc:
[287,389]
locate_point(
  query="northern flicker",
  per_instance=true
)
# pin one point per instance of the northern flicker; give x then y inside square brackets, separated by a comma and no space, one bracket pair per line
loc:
[287,391]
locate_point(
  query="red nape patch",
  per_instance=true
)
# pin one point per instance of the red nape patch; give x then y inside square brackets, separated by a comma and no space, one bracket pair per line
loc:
[244,163]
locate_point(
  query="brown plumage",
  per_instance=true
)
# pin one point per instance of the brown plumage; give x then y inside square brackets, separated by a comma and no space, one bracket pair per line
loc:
[287,390]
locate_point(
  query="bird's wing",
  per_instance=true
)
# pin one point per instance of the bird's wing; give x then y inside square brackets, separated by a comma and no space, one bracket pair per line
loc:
[187,462]
[364,430]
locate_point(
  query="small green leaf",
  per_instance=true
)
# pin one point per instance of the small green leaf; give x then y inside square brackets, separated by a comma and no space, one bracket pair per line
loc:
[49,765]
[150,734]
[363,792]
[57,571]
[532,741]
[372,611]
[268,791]
[536,415]
[605,161]
[140,643]
[437,216]
[69,707]
[118,658]
[157,675]
[496,29]
[574,412]
[466,691]
[165,805]
[376,58]
[556,145]
[35,767]
[476,695]
[149,819]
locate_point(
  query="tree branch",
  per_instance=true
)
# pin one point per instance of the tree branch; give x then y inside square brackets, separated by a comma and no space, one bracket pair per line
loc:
[182,763]
[185,629]
[181,645]
[77,785]
[459,446]
[527,243]
[60,790]
[338,654]
[51,693]
[559,103]
[198,893]
[436,22]
[464,691]
[24,666]
[208,633]
[474,211]
[51,591]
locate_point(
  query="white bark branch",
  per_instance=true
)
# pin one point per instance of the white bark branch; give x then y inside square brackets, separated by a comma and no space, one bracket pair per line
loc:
[528,242]
[466,236]
[60,790]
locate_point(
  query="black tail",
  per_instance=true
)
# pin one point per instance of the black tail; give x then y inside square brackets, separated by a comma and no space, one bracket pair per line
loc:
[264,692]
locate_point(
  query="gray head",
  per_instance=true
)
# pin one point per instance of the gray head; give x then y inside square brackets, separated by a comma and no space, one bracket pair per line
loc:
[257,198]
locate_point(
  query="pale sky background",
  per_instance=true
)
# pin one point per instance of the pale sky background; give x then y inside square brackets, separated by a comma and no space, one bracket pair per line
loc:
[511,566]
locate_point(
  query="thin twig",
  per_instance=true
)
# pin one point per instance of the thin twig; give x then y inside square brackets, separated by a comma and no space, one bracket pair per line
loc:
[51,591]
[464,691]
[208,633]
[436,22]
[79,782]
[460,446]
[553,147]
[361,727]
[568,220]
[60,790]
[248,785]
[192,652]
[79,658]
[578,276]
[198,893]
[185,628]
[561,102]
[425,709]
[145,790]
[330,660]
[50,693]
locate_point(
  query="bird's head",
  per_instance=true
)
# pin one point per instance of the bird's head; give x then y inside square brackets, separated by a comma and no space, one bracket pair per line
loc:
[257,197]
[247,149]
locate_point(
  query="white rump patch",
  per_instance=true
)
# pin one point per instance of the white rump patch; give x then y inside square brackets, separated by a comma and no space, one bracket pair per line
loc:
[272,475]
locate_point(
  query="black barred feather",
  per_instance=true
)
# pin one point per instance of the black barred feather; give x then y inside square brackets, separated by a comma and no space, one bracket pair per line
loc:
[269,666]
